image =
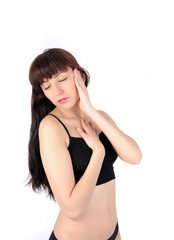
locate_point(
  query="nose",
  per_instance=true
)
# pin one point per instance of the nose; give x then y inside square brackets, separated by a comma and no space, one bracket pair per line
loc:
[57,90]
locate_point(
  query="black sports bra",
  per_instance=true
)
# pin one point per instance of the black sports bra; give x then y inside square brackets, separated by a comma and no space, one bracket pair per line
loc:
[81,153]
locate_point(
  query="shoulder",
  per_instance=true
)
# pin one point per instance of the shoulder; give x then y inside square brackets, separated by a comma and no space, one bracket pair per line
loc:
[49,125]
[51,133]
[103,113]
[107,116]
[48,122]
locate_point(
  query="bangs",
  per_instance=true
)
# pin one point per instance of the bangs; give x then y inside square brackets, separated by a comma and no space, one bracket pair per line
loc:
[51,62]
[46,66]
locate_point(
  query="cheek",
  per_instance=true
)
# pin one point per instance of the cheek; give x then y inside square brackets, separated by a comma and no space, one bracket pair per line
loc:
[47,94]
[74,88]
[49,97]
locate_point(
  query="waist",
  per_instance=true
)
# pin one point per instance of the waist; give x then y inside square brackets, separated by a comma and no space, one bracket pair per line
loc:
[99,216]
[98,225]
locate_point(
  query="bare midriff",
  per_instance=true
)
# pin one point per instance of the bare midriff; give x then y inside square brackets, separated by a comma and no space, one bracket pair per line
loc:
[98,221]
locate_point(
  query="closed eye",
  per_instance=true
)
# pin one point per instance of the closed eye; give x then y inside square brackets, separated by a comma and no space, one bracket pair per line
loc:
[62,80]
[58,81]
[47,88]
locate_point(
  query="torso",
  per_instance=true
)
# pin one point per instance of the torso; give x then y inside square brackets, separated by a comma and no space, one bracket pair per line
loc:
[100,217]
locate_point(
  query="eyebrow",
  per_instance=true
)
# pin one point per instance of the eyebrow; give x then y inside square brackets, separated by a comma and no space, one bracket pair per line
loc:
[57,74]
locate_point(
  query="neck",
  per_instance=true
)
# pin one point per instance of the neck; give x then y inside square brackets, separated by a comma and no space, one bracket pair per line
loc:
[74,112]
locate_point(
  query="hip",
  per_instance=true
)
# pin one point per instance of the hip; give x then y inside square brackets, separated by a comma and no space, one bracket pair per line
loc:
[96,225]
[98,221]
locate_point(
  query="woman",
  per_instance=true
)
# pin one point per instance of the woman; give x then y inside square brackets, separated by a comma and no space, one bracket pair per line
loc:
[72,149]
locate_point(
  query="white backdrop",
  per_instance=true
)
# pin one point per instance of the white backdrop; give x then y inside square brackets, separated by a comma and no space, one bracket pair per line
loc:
[127,47]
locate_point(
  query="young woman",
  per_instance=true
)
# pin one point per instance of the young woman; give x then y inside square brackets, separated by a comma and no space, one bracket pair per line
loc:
[72,149]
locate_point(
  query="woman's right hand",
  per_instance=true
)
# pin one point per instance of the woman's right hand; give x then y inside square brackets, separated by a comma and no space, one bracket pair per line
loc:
[90,135]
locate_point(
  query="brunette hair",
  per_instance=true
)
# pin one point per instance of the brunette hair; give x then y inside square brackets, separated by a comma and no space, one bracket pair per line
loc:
[45,66]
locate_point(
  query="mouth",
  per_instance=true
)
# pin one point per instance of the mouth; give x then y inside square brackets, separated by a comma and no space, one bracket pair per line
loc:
[62,100]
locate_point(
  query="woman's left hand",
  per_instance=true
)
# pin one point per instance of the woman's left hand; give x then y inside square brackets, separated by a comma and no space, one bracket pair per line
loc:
[84,104]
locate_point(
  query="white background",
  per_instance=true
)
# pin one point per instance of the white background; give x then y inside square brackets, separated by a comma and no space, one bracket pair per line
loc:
[127,47]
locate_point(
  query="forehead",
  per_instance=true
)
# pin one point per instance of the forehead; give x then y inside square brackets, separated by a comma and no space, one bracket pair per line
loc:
[58,74]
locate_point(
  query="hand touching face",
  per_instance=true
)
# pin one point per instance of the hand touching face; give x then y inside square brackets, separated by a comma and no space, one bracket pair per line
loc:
[85,104]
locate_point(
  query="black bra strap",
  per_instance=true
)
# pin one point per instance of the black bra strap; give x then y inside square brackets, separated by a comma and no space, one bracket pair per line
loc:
[61,123]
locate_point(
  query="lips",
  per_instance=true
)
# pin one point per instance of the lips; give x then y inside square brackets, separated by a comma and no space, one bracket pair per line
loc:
[62,99]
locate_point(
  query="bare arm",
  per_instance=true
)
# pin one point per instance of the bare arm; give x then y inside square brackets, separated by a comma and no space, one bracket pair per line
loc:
[72,198]
[127,149]
[84,189]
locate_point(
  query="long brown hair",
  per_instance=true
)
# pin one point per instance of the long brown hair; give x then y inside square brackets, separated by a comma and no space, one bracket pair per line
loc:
[45,66]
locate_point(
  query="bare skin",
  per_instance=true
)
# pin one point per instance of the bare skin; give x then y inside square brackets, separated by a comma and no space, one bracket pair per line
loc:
[99,218]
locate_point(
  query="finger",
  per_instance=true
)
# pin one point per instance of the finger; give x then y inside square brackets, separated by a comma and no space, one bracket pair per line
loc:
[78,76]
[75,76]
[81,132]
[77,72]
[96,131]
[91,125]
[76,80]
[87,123]
[84,125]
